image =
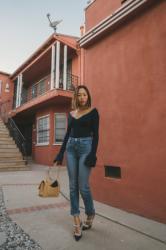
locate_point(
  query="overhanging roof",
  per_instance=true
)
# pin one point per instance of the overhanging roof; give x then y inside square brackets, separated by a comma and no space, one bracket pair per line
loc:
[71,41]
[127,9]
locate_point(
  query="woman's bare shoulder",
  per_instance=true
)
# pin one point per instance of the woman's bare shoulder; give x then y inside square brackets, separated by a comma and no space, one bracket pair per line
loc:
[72,112]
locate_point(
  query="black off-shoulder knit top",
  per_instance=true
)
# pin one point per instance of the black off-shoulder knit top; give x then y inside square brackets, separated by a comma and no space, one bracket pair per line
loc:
[85,126]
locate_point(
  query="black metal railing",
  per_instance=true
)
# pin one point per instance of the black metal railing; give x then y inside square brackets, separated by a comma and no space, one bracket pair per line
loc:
[18,137]
[35,90]
[71,82]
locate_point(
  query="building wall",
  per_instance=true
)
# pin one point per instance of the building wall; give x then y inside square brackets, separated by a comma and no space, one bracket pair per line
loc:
[75,66]
[125,73]
[45,154]
[99,10]
[6,92]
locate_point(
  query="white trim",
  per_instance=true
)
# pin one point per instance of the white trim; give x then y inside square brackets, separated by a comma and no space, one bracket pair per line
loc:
[17,91]
[90,3]
[57,64]
[44,143]
[53,66]
[65,68]
[43,116]
[20,90]
[111,20]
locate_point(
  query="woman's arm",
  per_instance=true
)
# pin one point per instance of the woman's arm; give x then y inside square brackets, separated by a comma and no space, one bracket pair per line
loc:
[95,129]
[91,157]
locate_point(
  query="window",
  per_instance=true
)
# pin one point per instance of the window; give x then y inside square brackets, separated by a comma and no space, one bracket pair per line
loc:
[7,88]
[43,130]
[60,127]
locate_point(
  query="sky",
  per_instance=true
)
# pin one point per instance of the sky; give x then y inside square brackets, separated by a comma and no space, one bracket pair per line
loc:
[24,26]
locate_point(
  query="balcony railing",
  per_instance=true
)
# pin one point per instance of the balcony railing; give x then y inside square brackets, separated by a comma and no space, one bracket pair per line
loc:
[44,85]
[35,90]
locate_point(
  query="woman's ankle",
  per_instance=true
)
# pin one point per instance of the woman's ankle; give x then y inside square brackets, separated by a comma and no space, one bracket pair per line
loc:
[77,220]
[88,222]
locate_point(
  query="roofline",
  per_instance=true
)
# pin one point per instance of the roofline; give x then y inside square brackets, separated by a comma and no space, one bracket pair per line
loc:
[89,4]
[111,21]
[47,43]
[4,73]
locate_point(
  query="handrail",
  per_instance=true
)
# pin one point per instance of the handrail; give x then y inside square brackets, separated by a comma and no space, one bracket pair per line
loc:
[15,126]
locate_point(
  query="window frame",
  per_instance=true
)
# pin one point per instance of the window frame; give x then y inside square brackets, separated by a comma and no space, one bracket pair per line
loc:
[59,113]
[37,138]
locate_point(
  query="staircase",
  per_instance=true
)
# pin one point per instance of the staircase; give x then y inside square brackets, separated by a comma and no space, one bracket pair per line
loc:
[10,157]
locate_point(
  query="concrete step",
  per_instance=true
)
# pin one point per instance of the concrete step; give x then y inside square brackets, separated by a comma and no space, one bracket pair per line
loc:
[3,129]
[6,146]
[4,135]
[11,154]
[13,164]
[9,150]
[2,125]
[20,168]
[11,159]
[6,140]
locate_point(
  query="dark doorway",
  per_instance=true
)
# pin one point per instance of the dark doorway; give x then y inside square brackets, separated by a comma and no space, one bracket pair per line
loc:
[26,130]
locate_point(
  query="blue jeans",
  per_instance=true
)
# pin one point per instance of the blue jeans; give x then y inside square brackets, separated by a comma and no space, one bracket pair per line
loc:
[77,149]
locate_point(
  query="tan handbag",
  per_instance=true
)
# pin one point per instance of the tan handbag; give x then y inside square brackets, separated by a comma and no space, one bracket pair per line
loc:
[50,187]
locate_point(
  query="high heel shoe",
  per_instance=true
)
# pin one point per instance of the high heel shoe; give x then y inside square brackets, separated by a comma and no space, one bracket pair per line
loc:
[88,223]
[77,231]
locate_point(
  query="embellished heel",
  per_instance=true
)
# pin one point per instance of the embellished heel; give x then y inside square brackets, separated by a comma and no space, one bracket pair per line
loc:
[77,231]
[88,223]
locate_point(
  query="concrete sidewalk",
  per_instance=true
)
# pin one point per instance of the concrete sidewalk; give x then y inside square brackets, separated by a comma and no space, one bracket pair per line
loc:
[47,221]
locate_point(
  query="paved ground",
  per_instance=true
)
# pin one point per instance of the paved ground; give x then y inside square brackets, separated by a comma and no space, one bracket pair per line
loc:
[28,221]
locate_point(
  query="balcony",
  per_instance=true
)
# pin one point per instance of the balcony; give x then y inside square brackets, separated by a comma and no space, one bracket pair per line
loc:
[43,86]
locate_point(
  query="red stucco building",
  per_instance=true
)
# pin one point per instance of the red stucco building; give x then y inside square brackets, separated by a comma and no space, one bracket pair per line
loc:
[121,58]
[43,88]
[124,68]
[6,93]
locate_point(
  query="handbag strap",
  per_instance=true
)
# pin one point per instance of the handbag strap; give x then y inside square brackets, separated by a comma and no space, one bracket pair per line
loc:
[57,172]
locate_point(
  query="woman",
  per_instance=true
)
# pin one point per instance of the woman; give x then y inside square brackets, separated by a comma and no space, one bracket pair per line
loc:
[80,143]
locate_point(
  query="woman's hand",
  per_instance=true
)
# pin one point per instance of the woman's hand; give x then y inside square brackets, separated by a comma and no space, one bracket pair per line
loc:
[58,159]
[57,163]
[90,160]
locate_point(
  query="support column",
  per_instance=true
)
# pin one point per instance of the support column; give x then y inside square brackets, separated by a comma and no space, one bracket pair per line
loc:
[20,90]
[17,93]
[53,67]
[65,68]
[57,64]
